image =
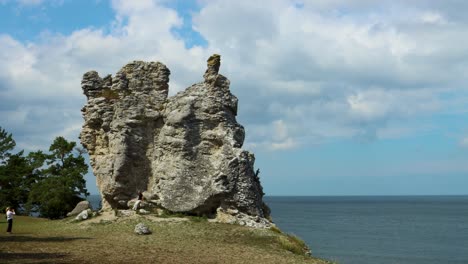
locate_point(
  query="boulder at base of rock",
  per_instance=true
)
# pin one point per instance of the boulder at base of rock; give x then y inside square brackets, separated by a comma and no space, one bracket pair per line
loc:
[143,212]
[85,214]
[83,205]
[142,229]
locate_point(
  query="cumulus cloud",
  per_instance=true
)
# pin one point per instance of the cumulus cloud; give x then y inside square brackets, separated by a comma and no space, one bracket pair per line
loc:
[276,136]
[40,81]
[305,71]
[328,73]
[433,18]
[32,3]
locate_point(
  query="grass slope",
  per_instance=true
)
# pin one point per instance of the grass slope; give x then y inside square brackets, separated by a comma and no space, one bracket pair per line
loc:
[36,240]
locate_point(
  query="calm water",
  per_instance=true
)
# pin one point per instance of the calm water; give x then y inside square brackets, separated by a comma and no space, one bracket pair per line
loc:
[376,229]
[398,229]
[95,201]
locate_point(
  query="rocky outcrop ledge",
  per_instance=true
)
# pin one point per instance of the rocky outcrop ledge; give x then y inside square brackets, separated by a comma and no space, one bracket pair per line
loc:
[183,152]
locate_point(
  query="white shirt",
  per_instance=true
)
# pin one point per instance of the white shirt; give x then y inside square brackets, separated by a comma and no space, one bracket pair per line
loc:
[9,215]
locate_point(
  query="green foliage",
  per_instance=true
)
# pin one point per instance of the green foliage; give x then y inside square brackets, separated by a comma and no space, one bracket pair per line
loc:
[53,197]
[61,184]
[17,173]
[12,181]
[6,144]
[50,184]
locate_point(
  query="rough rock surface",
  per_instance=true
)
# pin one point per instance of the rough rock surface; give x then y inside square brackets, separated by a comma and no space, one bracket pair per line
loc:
[183,152]
[142,229]
[83,205]
[233,216]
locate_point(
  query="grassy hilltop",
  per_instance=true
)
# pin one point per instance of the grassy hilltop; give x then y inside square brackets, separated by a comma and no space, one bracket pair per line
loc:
[174,240]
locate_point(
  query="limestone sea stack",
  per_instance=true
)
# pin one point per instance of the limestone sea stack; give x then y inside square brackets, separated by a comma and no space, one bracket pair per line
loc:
[183,152]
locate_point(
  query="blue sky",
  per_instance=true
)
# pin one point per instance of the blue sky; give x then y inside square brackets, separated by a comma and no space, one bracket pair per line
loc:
[337,97]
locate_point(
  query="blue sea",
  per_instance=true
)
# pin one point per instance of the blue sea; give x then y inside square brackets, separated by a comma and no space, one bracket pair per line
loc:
[376,229]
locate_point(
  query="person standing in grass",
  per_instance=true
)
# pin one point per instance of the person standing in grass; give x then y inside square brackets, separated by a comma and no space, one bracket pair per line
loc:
[9,213]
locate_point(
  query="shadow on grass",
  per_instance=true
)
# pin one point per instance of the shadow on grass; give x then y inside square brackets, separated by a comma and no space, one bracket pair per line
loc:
[19,257]
[16,238]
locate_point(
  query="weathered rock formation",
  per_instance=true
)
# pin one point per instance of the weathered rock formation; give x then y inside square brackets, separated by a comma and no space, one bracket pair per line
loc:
[183,152]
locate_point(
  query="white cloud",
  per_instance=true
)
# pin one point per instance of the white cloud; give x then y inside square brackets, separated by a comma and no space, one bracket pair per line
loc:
[30,2]
[328,74]
[289,143]
[375,104]
[317,70]
[433,18]
[273,136]
[20,60]
[464,142]
[40,81]
[280,131]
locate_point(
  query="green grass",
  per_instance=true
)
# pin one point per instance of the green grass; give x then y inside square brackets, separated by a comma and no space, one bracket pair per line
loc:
[197,218]
[169,214]
[276,229]
[37,240]
[294,244]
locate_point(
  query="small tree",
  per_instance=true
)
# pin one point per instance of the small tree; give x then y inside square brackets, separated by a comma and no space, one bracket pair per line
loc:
[7,144]
[61,185]
[17,173]
[16,178]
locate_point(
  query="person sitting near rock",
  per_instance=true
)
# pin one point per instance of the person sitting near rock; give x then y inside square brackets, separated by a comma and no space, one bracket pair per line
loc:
[137,203]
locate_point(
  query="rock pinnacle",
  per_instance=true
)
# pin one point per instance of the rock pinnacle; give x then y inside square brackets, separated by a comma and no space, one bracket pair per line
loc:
[213,64]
